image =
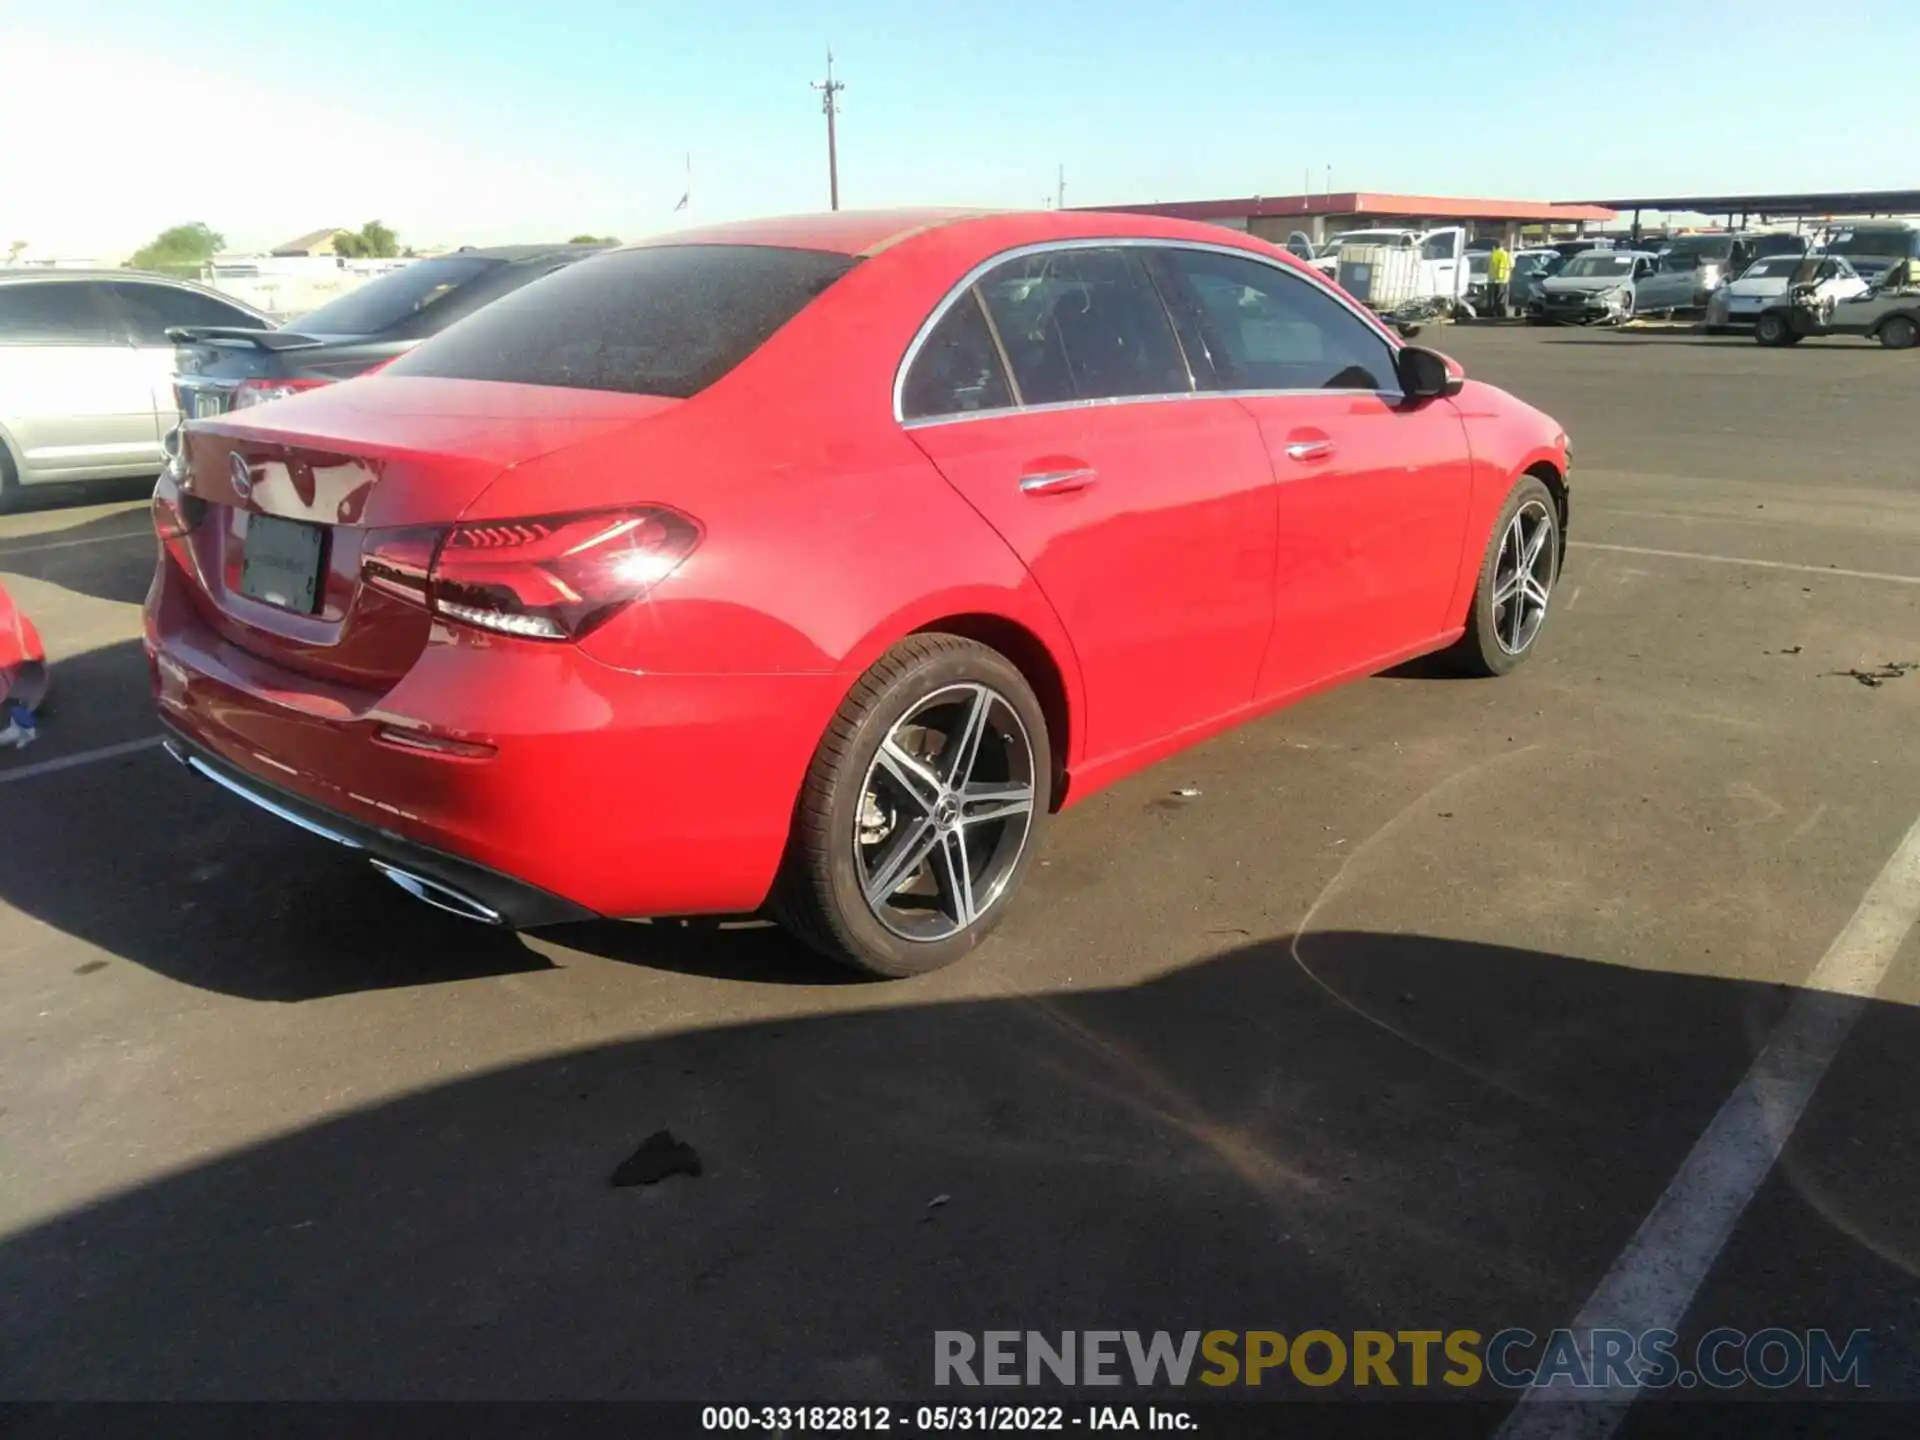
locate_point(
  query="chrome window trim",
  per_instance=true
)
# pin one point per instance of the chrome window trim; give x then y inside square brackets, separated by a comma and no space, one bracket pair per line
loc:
[973,277]
[1391,396]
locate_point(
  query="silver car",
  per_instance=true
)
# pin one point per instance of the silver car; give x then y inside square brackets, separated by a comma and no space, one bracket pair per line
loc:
[1594,288]
[86,371]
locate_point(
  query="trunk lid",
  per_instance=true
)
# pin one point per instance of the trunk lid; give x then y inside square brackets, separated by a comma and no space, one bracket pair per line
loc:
[295,488]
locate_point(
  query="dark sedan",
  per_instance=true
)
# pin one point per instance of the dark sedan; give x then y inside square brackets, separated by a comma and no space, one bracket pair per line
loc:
[217,369]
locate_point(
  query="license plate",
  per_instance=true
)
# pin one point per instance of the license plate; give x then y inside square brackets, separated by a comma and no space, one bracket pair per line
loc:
[208,402]
[282,565]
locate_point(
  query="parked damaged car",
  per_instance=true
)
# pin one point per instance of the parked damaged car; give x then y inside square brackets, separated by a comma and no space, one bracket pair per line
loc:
[1531,271]
[1689,269]
[1889,313]
[1594,288]
[1739,303]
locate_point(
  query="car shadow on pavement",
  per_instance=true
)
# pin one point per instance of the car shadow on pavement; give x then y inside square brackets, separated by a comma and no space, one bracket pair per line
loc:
[109,557]
[137,857]
[745,948]
[146,862]
[73,494]
[1395,1131]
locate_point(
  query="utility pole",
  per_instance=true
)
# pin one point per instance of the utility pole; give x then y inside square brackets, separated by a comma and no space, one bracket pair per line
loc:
[828,89]
[1060,202]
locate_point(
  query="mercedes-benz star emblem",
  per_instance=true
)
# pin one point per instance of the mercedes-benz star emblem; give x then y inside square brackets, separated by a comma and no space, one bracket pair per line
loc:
[242,477]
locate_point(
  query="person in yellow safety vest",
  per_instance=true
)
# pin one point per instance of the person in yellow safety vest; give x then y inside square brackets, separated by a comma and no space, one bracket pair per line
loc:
[1499,276]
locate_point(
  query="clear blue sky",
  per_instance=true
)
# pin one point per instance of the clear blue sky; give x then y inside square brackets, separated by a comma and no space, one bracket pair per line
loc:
[460,120]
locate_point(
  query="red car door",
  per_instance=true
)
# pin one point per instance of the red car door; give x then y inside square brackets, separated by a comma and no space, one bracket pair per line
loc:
[1144,512]
[1372,495]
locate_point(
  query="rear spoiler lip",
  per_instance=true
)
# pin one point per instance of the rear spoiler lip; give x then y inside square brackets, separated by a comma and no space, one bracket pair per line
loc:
[275,340]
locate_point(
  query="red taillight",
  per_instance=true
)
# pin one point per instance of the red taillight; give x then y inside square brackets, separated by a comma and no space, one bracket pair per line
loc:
[550,577]
[259,392]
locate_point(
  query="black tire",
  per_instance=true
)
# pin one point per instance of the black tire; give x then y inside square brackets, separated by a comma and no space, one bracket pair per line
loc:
[1898,332]
[9,483]
[1772,328]
[1487,648]
[821,897]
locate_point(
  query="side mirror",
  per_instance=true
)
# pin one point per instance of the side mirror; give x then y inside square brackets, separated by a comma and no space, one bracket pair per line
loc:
[1427,374]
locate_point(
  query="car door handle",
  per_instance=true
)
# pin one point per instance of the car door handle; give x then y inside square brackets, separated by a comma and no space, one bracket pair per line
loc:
[1058,482]
[1310,449]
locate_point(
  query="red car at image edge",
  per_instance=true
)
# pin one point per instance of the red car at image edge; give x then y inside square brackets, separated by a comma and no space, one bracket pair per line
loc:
[810,564]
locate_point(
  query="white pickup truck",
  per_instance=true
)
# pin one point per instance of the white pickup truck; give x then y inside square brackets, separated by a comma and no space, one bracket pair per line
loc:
[1392,271]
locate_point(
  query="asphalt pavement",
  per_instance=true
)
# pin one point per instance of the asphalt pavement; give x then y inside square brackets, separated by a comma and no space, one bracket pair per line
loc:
[1432,994]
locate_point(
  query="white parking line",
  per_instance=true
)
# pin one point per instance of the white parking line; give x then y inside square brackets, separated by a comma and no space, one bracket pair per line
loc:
[13,550]
[67,762]
[1745,560]
[1652,1284]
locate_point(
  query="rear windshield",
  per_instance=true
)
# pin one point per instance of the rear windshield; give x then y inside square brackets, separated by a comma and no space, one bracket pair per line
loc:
[382,304]
[660,320]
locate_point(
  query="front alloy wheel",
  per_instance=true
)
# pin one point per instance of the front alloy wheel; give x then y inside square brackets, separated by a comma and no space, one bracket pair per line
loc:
[1523,576]
[921,810]
[1515,589]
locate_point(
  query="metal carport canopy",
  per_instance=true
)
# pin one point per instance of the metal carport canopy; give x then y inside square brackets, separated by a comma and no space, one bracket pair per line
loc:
[1828,202]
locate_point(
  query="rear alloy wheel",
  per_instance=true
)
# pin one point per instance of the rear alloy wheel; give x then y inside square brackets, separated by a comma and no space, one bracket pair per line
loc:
[1772,328]
[1516,583]
[1898,332]
[921,810]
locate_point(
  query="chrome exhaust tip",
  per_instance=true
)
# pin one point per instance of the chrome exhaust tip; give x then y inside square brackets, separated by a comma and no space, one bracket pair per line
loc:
[441,897]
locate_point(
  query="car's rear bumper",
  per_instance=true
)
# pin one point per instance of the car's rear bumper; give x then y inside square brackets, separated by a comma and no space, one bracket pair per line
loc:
[582,788]
[442,880]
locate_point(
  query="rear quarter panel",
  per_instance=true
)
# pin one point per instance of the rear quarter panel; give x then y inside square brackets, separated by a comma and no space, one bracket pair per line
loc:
[828,535]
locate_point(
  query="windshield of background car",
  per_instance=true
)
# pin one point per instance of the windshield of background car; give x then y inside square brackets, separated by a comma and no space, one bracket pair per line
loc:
[1598,264]
[1775,268]
[1875,242]
[659,320]
[1689,252]
[382,304]
[1375,237]
[1477,263]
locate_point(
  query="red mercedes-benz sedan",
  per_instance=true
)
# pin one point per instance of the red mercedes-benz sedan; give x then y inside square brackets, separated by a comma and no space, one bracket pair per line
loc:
[810,564]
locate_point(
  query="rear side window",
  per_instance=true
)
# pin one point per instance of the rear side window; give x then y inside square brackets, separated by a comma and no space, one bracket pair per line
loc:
[394,300]
[150,309]
[58,312]
[660,320]
[1084,324]
[957,371]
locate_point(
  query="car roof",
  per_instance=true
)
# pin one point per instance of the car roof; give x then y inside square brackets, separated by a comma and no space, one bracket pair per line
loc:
[518,252]
[28,273]
[29,276]
[867,232]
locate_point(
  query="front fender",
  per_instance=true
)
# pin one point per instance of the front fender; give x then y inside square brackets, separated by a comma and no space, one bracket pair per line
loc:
[1506,438]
